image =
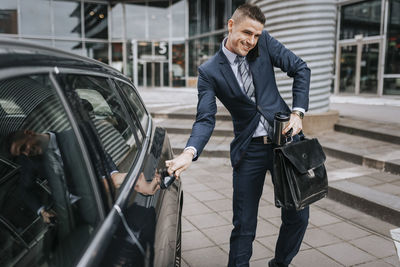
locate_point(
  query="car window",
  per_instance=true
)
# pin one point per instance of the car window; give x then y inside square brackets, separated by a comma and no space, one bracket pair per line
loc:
[48,211]
[135,104]
[112,123]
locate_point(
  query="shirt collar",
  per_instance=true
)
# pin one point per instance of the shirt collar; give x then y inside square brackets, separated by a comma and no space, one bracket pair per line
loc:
[229,55]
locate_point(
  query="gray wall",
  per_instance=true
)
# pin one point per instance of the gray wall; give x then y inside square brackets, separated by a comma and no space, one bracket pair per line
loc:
[308,28]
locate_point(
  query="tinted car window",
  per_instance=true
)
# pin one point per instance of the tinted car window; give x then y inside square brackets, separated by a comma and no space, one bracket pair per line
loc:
[110,118]
[48,212]
[135,104]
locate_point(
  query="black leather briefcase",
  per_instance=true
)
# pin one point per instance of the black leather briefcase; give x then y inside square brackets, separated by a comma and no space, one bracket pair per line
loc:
[299,174]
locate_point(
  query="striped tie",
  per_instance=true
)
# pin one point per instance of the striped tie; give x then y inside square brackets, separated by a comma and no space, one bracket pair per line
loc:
[247,80]
[248,86]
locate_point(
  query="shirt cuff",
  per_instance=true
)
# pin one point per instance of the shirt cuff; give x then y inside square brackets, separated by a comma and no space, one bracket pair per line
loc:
[40,210]
[194,150]
[300,109]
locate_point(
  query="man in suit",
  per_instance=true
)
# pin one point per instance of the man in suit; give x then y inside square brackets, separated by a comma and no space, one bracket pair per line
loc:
[241,75]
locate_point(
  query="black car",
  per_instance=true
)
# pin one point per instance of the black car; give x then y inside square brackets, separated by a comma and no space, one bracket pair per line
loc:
[68,126]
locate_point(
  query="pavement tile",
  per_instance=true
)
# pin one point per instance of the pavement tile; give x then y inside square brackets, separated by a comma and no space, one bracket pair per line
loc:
[265,228]
[393,260]
[261,252]
[275,221]
[188,198]
[194,208]
[269,211]
[375,245]
[227,192]
[195,187]
[219,185]
[195,240]
[208,220]
[346,254]
[311,258]
[206,257]
[378,263]
[228,215]
[317,237]
[345,231]
[320,218]
[207,195]
[220,234]
[187,226]
[374,224]
[219,205]
[268,241]
[184,264]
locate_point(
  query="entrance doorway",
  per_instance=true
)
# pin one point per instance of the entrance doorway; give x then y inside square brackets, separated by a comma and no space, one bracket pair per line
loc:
[151,65]
[359,67]
[153,73]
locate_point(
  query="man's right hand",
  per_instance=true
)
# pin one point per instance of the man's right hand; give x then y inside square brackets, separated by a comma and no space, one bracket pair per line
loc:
[180,163]
[46,215]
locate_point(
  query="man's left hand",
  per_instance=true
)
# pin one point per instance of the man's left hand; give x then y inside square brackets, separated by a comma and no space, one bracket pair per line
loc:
[295,123]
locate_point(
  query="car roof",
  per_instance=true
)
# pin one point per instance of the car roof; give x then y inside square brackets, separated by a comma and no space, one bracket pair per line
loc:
[17,53]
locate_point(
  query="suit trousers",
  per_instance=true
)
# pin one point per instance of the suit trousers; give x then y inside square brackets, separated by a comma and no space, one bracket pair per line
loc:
[248,181]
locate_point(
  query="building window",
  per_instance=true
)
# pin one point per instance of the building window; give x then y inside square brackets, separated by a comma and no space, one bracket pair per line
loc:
[136,23]
[194,15]
[97,51]
[8,17]
[117,21]
[96,21]
[178,18]
[67,19]
[220,14]
[360,18]
[393,39]
[35,17]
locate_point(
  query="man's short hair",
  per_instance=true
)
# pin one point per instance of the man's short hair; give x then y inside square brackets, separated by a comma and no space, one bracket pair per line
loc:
[250,11]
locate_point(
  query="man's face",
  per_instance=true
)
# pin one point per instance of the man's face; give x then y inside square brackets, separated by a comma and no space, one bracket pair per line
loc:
[29,145]
[243,35]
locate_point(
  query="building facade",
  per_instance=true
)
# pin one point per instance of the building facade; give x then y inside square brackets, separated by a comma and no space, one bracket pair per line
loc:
[352,46]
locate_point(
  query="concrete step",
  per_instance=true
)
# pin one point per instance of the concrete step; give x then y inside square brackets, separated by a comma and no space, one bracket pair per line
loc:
[376,154]
[184,126]
[373,202]
[217,146]
[188,116]
[370,129]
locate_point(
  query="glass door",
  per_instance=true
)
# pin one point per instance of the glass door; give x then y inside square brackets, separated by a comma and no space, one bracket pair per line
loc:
[359,67]
[348,64]
[369,68]
[152,63]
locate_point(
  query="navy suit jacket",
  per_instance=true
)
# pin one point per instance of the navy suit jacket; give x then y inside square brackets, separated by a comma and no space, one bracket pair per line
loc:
[216,79]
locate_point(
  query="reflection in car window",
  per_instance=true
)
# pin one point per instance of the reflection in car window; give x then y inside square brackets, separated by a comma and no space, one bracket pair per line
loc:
[135,104]
[109,117]
[47,207]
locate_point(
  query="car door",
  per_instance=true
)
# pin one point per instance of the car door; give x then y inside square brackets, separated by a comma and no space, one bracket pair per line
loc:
[147,232]
[50,207]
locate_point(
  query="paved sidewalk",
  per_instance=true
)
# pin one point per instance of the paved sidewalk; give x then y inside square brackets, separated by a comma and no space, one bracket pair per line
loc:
[334,237]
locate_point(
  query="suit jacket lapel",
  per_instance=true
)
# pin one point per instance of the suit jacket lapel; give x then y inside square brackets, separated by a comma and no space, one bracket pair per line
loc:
[230,76]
